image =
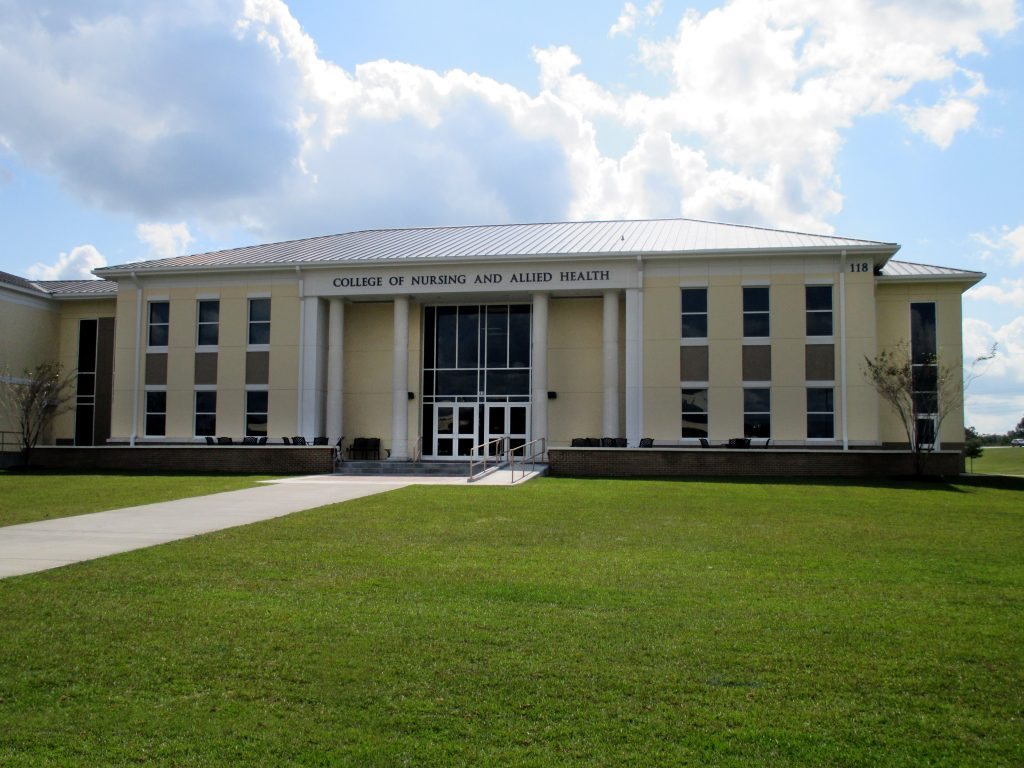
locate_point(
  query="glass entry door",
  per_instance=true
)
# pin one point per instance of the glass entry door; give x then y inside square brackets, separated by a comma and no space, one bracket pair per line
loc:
[512,419]
[455,429]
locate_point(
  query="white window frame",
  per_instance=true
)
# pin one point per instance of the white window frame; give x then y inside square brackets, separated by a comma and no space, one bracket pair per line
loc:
[200,324]
[149,322]
[146,412]
[830,385]
[196,412]
[250,322]
[830,338]
[767,338]
[245,408]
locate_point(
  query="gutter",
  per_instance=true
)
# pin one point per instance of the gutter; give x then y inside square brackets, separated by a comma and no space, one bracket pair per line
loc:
[138,354]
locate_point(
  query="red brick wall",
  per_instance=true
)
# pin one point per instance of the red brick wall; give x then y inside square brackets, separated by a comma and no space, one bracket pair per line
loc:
[669,462]
[263,459]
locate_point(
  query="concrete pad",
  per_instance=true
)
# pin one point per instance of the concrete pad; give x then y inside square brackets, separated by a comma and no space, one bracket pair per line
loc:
[32,547]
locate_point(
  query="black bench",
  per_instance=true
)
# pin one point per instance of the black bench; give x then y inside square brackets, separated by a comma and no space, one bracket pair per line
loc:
[365,448]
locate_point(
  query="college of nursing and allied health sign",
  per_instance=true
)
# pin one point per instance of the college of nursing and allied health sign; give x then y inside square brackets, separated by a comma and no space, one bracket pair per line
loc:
[426,280]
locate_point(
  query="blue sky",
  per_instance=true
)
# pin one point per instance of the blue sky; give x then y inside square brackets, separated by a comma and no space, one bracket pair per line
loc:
[134,128]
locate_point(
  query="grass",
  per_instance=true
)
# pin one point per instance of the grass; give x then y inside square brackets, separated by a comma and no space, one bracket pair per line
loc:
[562,623]
[999,460]
[26,497]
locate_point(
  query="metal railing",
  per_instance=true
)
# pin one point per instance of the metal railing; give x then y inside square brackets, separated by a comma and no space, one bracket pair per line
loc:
[482,455]
[532,454]
[10,441]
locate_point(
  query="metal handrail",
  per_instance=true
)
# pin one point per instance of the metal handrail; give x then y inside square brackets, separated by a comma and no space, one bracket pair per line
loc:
[481,455]
[9,445]
[532,458]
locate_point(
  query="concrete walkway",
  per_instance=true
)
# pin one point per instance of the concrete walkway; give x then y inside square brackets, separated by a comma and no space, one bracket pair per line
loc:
[32,547]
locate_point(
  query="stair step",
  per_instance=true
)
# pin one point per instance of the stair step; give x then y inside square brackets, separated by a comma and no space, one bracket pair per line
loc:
[426,468]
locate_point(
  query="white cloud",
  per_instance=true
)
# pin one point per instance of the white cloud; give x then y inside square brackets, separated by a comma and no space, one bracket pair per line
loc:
[995,399]
[626,22]
[1008,291]
[1004,241]
[255,129]
[165,240]
[77,264]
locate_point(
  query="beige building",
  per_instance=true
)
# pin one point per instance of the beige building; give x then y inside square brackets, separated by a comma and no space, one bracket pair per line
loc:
[437,340]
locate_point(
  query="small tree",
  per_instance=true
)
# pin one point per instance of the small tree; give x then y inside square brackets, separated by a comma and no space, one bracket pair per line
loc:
[35,399]
[973,445]
[921,394]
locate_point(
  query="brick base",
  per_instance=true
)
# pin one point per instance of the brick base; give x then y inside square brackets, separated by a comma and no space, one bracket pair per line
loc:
[703,462]
[263,459]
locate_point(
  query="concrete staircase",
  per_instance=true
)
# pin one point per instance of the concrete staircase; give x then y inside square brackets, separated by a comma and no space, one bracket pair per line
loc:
[408,468]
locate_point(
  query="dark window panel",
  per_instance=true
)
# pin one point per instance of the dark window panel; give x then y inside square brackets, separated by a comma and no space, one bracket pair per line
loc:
[159,312]
[695,401]
[694,300]
[509,382]
[206,424]
[519,336]
[469,337]
[209,311]
[207,335]
[820,425]
[695,425]
[757,399]
[695,326]
[156,424]
[206,402]
[820,400]
[755,299]
[259,310]
[755,324]
[757,425]
[819,297]
[447,336]
[256,401]
[497,337]
[819,323]
[923,347]
[86,346]
[158,335]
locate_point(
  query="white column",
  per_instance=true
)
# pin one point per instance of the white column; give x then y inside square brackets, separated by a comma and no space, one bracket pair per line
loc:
[311,386]
[400,383]
[634,366]
[610,411]
[335,357]
[539,397]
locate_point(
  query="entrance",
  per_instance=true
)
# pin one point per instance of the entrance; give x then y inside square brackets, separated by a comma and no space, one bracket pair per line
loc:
[476,377]
[455,429]
[511,419]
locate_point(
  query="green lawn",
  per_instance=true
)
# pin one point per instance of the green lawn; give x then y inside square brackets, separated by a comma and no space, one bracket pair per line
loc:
[999,460]
[565,622]
[26,497]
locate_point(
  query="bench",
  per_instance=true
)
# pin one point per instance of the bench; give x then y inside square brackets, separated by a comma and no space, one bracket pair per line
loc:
[365,448]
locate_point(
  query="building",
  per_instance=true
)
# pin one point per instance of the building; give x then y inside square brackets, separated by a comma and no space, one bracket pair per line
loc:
[436,340]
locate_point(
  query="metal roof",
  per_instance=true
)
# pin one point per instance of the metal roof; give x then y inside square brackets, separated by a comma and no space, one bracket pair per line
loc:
[61,289]
[906,270]
[77,288]
[582,238]
[6,278]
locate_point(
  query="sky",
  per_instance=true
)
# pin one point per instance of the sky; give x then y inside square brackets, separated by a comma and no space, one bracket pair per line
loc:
[133,129]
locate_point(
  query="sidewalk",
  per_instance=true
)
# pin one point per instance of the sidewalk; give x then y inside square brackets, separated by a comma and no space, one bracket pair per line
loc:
[32,547]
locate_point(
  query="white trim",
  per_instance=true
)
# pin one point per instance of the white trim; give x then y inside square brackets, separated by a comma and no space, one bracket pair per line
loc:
[843,410]
[694,341]
[259,295]
[207,297]
[694,385]
[756,341]
[821,339]
[819,281]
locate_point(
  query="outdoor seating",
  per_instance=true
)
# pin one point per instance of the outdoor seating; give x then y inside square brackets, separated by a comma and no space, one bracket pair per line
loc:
[766,441]
[299,440]
[262,440]
[739,442]
[593,442]
[579,442]
[210,440]
[286,440]
[621,442]
[319,441]
[704,442]
[225,441]
[365,448]
[607,442]
[248,440]
[646,442]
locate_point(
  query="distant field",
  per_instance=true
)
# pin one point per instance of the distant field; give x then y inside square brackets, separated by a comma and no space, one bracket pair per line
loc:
[566,622]
[1001,460]
[26,497]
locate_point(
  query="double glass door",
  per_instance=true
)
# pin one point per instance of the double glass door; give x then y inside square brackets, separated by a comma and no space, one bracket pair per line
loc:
[459,428]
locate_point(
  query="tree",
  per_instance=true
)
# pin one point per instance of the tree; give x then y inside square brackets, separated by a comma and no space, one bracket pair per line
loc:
[922,392]
[1017,431]
[973,445]
[35,399]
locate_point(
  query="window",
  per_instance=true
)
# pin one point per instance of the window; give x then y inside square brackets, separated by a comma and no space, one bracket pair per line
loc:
[209,323]
[820,413]
[695,413]
[819,310]
[155,422]
[159,323]
[924,369]
[695,313]
[259,321]
[256,401]
[206,413]
[757,416]
[755,312]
